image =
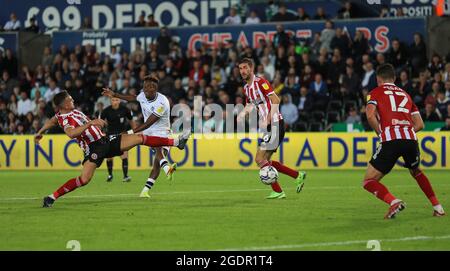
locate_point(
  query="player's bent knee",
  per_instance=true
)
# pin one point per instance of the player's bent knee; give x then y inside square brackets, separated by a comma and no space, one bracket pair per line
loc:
[415,171]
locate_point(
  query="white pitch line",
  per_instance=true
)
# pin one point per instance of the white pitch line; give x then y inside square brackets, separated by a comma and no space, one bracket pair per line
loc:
[136,194]
[211,191]
[342,243]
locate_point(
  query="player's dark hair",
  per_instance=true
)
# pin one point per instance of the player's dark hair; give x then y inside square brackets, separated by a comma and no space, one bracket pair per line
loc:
[386,71]
[59,98]
[247,61]
[151,78]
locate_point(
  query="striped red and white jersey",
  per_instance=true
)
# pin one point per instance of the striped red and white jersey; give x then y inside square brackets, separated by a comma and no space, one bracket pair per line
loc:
[395,109]
[75,119]
[258,93]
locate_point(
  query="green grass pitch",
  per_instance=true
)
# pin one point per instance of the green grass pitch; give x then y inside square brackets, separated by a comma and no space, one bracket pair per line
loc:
[218,210]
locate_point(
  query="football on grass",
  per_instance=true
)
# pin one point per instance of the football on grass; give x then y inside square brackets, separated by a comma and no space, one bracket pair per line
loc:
[268,175]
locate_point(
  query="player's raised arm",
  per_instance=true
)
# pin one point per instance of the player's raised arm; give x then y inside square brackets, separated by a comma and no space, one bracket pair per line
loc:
[152,119]
[109,93]
[47,125]
[371,113]
[75,132]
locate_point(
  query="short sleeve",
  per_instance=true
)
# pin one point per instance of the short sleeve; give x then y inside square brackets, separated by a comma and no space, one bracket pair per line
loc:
[160,109]
[265,87]
[371,99]
[68,123]
[140,97]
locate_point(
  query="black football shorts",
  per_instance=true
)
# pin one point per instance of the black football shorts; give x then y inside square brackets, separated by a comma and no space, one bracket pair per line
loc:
[388,153]
[106,147]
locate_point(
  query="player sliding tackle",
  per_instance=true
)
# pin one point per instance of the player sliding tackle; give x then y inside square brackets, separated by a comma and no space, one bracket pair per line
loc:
[259,93]
[95,145]
[156,111]
[396,119]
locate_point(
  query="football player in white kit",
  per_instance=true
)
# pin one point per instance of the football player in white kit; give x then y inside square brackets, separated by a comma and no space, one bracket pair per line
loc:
[156,110]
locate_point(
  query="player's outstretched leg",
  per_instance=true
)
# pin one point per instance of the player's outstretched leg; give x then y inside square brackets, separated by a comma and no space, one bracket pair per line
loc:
[129,141]
[109,164]
[427,189]
[372,184]
[299,176]
[72,184]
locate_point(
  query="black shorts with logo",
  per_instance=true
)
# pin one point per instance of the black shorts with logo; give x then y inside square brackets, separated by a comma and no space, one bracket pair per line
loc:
[273,137]
[106,147]
[388,153]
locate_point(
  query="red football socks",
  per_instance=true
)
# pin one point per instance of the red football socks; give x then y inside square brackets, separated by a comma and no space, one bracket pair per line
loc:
[276,187]
[69,186]
[379,190]
[425,185]
[284,169]
[156,141]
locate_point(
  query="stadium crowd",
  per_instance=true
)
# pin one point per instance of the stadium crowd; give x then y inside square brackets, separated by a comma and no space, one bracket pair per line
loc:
[321,81]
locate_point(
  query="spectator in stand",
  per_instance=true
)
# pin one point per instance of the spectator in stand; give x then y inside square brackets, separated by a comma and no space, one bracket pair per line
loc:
[281,38]
[233,18]
[252,18]
[442,103]
[418,54]
[435,65]
[347,11]
[397,55]
[351,83]
[353,117]
[320,14]
[447,88]
[302,15]
[430,114]
[24,105]
[384,13]
[33,26]
[270,10]
[283,15]
[163,43]
[86,23]
[447,124]
[399,12]
[141,21]
[151,21]
[305,101]
[197,72]
[369,80]
[137,51]
[115,56]
[10,63]
[52,90]
[446,72]
[404,83]
[360,45]
[341,42]
[327,35]
[289,111]
[13,24]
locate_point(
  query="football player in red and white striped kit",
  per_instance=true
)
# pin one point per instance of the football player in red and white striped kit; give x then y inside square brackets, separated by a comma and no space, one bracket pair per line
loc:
[396,119]
[95,145]
[259,93]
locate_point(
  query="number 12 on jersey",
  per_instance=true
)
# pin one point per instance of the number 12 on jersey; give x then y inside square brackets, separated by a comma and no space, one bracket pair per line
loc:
[401,106]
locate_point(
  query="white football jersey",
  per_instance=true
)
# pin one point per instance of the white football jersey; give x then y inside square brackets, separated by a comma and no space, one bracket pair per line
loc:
[160,107]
